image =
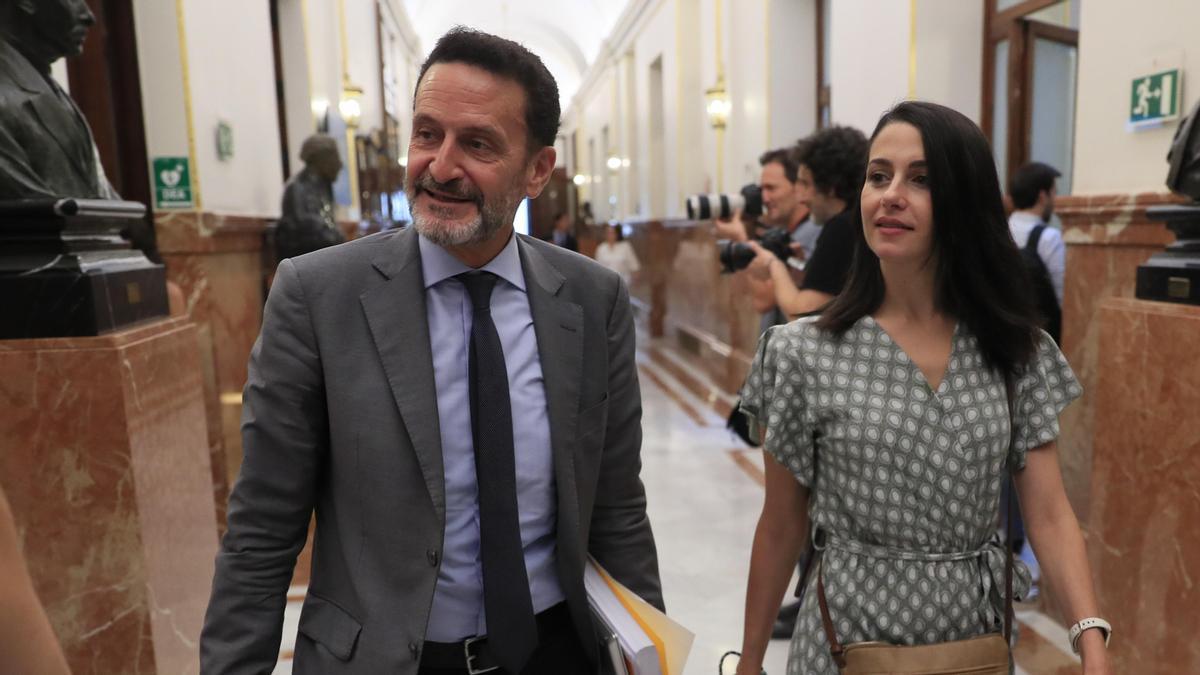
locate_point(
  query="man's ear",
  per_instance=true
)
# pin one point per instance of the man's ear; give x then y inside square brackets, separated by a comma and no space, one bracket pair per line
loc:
[540,169]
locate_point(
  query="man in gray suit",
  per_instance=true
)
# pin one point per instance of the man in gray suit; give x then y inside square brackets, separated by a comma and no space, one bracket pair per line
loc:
[458,404]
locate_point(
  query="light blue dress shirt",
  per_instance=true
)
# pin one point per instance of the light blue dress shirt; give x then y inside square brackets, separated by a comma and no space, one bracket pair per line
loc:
[1051,248]
[458,610]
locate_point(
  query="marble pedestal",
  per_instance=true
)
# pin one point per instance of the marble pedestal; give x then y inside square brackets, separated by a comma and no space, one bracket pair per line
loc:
[217,262]
[1145,484]
[104,457]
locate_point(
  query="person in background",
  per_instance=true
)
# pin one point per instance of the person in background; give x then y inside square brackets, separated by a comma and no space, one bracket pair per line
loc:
[830,169]
[562,236]
[27,642]
[1033,189]
[893,462]
[783,206]
[617,254]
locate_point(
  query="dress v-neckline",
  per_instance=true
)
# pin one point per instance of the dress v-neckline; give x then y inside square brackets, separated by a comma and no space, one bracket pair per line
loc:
[938,392]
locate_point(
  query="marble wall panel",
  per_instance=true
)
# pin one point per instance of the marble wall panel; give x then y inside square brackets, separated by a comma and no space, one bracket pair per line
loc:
[217,262]
[1143,541]
[689,300]
[104,457]
[1107,237]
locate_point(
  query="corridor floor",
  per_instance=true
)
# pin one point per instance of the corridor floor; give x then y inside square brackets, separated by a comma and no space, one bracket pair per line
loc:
[705,492]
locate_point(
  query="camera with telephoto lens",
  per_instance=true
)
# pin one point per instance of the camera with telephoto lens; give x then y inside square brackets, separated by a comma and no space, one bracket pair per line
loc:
[737,255]
[722,207]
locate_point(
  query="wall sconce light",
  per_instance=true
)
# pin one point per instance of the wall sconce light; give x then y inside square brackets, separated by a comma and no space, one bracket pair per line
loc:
[320,111]
[614,163]
[717,104]
[350,107]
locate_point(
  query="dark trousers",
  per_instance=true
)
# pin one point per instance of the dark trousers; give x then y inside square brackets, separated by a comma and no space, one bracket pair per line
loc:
[558,653]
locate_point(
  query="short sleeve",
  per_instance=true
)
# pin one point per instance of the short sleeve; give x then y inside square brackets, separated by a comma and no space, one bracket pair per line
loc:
[1043,391]
[773,400]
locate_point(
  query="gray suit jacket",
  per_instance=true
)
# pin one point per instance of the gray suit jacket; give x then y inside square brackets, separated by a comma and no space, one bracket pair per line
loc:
[340,415]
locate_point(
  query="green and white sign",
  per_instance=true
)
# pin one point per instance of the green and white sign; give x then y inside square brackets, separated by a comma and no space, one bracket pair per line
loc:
[172,183]
[1154,98]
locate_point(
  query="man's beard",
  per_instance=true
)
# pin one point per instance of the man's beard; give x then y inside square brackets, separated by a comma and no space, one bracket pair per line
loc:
[491,215]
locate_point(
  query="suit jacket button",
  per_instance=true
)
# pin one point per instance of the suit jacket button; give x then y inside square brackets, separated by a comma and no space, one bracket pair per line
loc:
[415,650]
[432,556]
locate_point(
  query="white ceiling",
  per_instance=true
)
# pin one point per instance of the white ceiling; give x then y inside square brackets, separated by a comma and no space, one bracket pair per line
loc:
[566,34]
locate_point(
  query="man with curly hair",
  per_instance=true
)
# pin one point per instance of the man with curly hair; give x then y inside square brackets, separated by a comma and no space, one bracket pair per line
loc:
[832,162]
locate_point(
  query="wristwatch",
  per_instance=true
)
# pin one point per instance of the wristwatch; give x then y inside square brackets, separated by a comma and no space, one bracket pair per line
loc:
[1085,624]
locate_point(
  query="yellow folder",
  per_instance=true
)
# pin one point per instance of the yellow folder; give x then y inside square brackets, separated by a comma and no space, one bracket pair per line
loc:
[672,641]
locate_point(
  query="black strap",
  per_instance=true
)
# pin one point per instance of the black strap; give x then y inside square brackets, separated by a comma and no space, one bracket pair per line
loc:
[1035,236]
[506,598]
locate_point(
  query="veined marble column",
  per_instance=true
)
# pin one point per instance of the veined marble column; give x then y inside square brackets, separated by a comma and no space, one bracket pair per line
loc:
[104,457]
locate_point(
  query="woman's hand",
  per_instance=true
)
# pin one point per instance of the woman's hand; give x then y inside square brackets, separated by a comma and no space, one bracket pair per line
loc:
[745,667]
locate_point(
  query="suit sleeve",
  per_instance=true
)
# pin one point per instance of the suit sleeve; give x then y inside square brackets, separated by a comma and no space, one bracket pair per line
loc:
[621,539]
[284,435]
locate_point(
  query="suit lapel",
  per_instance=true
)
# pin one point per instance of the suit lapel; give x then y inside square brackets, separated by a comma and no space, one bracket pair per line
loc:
[395,311]
[558,325]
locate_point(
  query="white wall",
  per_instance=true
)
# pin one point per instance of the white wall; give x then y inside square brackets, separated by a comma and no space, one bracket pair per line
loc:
[949,53]
[1116,44]
[868,60]
[791,70]
[232,77]
[746,50]
[298,111]
[160,67]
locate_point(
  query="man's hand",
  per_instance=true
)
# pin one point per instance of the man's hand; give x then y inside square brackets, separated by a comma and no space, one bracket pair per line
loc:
[760,267]
[733,228]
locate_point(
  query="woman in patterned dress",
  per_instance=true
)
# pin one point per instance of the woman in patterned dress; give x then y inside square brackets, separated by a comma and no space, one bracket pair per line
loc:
[887,424]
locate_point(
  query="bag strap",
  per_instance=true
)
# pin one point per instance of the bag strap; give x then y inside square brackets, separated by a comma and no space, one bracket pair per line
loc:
[1008,506]
[835,647]
[1035,236]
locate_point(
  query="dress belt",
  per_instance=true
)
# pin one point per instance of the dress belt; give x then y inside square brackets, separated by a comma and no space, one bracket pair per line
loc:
[991,559]
[824,539]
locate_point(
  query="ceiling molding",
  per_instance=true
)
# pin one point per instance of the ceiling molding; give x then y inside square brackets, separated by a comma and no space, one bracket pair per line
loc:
[617,42]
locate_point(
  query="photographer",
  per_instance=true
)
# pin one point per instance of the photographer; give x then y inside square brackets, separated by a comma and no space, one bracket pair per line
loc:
[831,165]
[783,207]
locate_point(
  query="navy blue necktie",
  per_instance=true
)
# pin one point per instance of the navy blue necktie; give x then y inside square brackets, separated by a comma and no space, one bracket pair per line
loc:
[512,629]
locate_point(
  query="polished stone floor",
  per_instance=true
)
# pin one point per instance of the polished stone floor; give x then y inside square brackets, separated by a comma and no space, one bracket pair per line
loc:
[705,493]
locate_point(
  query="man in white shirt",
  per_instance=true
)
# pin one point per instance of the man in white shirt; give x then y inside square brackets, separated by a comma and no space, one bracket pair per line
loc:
[1032,189]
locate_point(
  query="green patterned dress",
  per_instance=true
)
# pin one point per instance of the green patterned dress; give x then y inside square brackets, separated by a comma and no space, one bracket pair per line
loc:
[907,485]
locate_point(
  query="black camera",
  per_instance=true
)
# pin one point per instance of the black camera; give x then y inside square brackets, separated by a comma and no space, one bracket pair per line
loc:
[722,207]
[737,255]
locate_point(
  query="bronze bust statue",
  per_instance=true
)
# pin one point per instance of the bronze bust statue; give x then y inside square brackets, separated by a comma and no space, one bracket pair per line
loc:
[307,222]
[46,148]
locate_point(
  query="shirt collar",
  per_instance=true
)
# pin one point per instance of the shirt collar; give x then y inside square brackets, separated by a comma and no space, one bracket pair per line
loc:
[1023,218]
[437,264]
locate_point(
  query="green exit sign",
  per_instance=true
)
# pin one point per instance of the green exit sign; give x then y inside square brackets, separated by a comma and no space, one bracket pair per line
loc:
[1154,98]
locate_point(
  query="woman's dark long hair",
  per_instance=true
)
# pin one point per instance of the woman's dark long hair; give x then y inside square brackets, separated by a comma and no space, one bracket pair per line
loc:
[980,277]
